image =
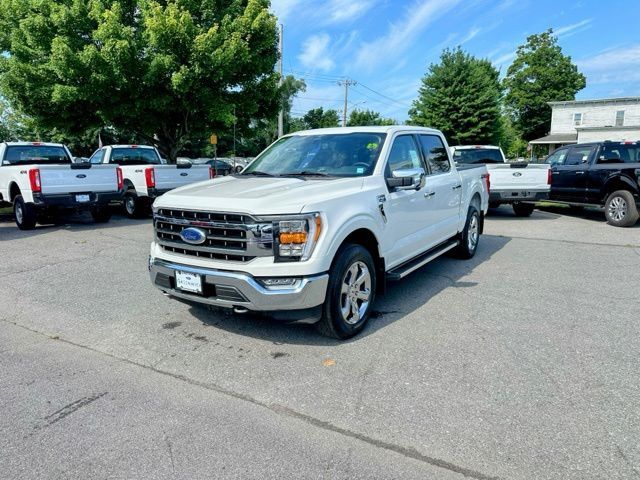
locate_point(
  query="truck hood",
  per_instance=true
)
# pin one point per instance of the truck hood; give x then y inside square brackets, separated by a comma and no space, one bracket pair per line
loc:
[257,195]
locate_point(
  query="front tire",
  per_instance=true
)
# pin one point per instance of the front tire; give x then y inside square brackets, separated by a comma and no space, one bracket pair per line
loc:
[620,209]
[523,209]
[470,236]
[24,213]
[350,294]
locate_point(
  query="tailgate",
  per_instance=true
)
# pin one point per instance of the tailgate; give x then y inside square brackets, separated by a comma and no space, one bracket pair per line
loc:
[514,176]
[169,177]
[61,179]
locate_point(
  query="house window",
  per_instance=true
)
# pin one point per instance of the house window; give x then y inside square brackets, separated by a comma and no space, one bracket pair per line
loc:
[577,119]
[619,118]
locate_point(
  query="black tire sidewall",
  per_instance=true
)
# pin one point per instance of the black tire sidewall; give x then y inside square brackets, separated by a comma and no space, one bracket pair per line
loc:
[463,249]
[130,196]
[345,257]
[632,210]
[523,209]
[28,214]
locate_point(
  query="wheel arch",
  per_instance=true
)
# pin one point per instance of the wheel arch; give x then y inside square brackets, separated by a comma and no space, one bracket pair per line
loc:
[619,183]
[14,191]
[365,237]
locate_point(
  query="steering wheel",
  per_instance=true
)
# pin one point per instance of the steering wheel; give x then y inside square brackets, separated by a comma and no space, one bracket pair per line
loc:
[361,164]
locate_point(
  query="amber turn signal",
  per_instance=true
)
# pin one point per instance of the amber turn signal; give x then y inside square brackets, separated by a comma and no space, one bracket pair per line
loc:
[293,237]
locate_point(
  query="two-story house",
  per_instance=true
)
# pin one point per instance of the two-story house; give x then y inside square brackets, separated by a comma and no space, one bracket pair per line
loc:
[582,121]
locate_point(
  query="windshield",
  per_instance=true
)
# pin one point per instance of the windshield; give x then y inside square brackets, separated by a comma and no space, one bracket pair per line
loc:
[33,154]
[134,156]
[334,155]
[478,155]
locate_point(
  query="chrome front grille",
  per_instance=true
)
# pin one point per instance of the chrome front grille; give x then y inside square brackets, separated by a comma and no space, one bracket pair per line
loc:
[232,237]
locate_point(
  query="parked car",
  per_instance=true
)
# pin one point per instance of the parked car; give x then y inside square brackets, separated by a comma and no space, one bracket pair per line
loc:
[519,184]
[311,229]
[39,179]
[145,175]
[220,167]
[602,174]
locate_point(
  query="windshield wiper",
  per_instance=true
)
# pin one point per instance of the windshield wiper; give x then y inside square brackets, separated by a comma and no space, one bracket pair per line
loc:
[257,174]
[305,173]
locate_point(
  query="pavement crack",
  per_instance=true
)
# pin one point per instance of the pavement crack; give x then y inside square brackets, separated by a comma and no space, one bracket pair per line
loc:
[574,242]
[71,408]
[55,264]
[281,410]
[170,450]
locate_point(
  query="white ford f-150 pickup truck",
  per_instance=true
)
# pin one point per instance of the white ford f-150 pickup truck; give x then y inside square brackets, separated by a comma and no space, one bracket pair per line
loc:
[40,178]
[314,225]
[519,184]
[145,176]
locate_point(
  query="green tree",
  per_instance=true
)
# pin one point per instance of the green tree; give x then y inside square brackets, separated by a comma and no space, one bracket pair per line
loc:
[539,74]
[367,118]
[320,118]
[461,97]
[166,70]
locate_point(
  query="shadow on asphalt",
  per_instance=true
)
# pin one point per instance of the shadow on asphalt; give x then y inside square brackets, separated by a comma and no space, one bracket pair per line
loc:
[400,300]
[76,222]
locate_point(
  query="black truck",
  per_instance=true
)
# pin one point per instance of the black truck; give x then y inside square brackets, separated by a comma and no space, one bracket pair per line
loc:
[604,174]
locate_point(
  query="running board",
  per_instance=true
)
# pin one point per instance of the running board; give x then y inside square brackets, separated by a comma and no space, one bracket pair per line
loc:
[401,271]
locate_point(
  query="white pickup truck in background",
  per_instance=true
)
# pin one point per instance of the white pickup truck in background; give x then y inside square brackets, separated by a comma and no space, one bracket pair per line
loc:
[520,184]
[145,174]
[40,179]
[310,230]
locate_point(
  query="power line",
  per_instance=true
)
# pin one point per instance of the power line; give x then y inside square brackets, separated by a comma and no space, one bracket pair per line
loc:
[384,96]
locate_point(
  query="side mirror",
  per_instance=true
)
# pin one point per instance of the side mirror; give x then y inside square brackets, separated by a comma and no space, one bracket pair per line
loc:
[406,179]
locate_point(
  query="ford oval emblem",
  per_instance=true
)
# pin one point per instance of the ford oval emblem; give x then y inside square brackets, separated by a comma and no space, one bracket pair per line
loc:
[517,174]
[81,175]
[194,236]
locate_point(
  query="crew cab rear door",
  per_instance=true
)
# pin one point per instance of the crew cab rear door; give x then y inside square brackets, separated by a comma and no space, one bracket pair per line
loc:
[569,173]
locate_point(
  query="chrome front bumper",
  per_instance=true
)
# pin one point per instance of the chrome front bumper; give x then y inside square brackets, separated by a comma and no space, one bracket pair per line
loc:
[240,290]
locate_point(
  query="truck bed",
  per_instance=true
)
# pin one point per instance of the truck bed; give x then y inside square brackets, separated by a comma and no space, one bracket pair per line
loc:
[169,177]
[518,177]
[77,178]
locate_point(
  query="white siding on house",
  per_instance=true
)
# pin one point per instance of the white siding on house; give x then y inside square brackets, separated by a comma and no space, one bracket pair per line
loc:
[596,114]
[613,134]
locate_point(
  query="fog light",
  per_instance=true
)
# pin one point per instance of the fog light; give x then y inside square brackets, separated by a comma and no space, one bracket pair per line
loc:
[280,283]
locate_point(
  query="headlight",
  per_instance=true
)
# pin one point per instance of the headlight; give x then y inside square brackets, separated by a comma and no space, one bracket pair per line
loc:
[295,236]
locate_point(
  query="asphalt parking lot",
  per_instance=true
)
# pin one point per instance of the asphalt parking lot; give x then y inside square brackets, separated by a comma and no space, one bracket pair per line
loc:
[522,363]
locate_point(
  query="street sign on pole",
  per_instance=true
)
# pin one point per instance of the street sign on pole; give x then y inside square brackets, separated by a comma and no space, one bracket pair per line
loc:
[214,139]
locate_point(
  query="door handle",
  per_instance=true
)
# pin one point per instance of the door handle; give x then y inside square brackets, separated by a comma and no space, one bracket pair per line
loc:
[456,187]
[429,194]
[555,173]
[580,172]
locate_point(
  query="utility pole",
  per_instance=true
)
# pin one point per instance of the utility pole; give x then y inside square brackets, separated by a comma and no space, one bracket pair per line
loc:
[346,83]
[281,112]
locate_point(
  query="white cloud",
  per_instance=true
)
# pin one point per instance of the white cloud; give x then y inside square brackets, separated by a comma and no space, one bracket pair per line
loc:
[316,54]
[618,67]
[568,30]
[401,35]
[347,10]
[282,8]
[502,59]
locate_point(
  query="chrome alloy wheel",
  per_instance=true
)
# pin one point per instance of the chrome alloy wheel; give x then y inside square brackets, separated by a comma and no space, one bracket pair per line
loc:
[473,234]
[355,293]
[19,213]
[617,209]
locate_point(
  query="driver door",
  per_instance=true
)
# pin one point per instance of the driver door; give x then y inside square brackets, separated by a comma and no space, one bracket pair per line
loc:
[407,217]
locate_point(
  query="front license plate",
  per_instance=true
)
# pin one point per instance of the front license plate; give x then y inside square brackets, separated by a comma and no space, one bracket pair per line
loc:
[189,282]
[83,198]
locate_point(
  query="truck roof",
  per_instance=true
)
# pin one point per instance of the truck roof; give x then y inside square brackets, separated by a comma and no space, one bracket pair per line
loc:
[131,146]
[35,144]
[374,129]
[469,147]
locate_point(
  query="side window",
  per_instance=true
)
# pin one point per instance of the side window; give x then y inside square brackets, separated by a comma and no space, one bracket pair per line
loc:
[578,155]
[97,157]
[620,153]
[436,154]
[404,154]
[557,157]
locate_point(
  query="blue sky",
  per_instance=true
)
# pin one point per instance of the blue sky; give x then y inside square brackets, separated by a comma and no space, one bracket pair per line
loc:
[387,45]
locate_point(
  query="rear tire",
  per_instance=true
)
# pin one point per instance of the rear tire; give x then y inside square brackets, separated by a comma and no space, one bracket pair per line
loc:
[134,207]
[494,204]
[523,209]
[101,214]
[24,213]
[350,293]
[470,236]
[620,209]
